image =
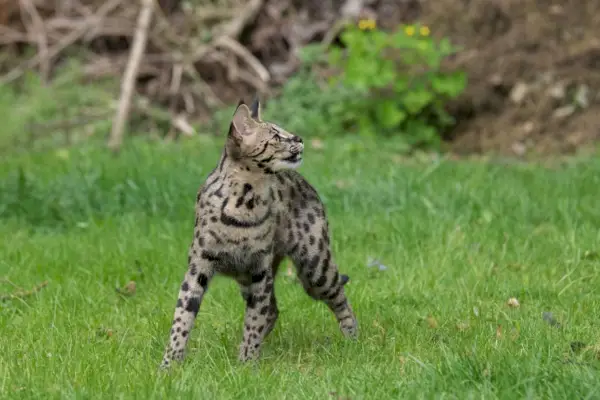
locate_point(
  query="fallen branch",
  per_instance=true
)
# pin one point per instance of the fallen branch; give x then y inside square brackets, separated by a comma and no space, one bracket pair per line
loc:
[20,294]
[129,78]
[244,54]
[40,35]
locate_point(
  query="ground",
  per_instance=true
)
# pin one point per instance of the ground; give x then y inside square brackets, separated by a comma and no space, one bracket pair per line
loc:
[534,73]
[434,250]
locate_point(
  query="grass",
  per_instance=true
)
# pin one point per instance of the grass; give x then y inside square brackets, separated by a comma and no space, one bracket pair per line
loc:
[458,240]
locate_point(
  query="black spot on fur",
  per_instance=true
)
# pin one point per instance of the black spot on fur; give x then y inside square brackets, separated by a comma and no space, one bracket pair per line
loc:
[251,301]
[202,281]
[311,218]
[193,305]
[231,221]
[255,278]
[239,201]
[335,293]
[179,303]
[250,204]
[321,281]
[212,257]
[344,279]
[185,287]
[314,262]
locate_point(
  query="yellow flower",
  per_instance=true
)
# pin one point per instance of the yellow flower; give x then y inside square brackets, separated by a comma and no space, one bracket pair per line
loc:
[366,24]
[424,31]
[409,30]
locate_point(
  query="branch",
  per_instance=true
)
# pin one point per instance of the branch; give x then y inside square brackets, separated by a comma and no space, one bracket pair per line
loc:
[61,45]
[19,294]
[129,78]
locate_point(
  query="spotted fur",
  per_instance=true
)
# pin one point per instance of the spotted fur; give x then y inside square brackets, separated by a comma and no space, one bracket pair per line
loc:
[253,210]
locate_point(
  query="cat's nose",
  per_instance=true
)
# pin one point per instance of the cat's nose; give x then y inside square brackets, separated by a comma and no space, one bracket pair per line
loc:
[297,139]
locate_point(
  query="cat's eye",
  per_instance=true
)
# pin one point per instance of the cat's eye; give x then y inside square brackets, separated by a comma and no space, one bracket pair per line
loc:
[277,138]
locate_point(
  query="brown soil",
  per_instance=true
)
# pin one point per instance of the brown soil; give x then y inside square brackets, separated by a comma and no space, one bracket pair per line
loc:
[534,73]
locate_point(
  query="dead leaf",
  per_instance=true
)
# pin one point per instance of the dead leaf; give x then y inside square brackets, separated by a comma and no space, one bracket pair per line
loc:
[499,332]
[341,184]
[103,332]
[432,322]
[128,290]
[317,144]
[463,326]
[513,302]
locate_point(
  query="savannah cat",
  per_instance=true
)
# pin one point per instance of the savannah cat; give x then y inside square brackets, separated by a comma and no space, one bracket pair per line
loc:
[253,210]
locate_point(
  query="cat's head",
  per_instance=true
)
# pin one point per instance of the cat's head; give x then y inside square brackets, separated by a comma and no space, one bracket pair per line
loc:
[259,144]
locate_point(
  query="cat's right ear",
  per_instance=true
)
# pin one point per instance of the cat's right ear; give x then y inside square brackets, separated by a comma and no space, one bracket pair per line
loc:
[241,121]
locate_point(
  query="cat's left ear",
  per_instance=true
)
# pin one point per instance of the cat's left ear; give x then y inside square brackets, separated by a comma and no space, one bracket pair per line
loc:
[255,108]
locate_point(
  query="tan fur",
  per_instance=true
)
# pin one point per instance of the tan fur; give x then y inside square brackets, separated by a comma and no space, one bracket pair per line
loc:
[252,211]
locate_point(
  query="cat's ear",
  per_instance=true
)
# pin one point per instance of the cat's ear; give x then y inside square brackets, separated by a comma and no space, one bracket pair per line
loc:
[255,108]
[241,121]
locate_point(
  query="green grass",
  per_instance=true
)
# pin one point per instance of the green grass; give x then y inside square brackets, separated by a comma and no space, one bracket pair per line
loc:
[458,239]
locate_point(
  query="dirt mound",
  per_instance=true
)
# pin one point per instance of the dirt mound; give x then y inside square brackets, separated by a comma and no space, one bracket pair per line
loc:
[534,73]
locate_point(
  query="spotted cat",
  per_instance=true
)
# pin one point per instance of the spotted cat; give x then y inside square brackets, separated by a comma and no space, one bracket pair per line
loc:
[252,211]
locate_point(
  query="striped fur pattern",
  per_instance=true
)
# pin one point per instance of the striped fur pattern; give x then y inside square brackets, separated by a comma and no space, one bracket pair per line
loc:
[253,210]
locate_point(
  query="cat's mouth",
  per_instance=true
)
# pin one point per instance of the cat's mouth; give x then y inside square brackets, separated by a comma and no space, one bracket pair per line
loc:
[294,158]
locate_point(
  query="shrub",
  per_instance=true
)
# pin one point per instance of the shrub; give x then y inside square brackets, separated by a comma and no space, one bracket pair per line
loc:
[379,83]
[398,78]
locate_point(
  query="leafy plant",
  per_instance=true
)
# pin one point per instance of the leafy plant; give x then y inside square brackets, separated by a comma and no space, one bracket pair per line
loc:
[397,80]
[379,83]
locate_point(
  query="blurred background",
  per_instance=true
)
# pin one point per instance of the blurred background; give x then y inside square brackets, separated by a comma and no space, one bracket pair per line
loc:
[453,142]
[515,77]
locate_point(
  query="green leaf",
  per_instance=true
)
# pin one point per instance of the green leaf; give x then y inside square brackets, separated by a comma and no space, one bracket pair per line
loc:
[365,125]
[450,84]
[401,83]
[389,114]
[445,48]
[414,101]
[335,57]
[420,133]
[384,73]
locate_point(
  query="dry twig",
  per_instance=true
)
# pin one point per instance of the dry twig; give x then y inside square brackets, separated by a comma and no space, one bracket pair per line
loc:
[129,78]
[65,42]
[20,294]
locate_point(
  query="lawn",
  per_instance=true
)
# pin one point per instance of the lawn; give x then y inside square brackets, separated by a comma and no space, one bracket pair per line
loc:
[452,240]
